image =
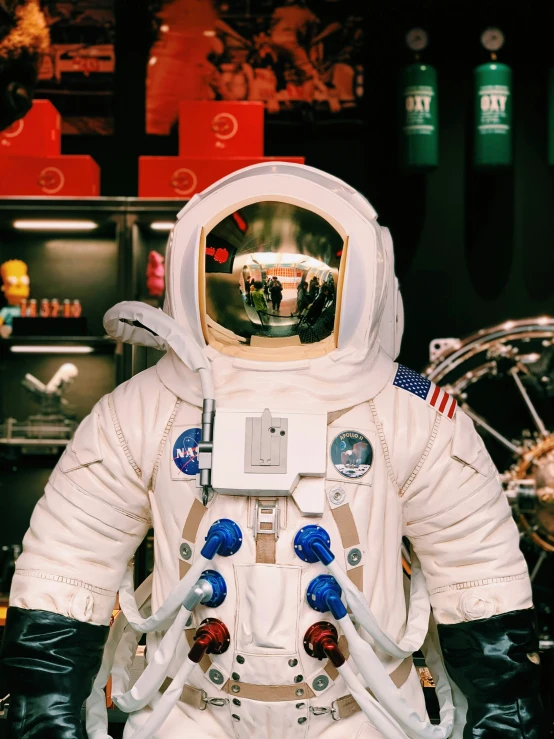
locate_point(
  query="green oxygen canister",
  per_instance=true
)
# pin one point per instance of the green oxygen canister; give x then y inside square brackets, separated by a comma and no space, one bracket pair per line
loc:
[493,115]
[550,119]
[419,113]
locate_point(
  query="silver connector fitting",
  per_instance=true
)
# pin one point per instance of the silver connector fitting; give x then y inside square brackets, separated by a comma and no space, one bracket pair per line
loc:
[199,593]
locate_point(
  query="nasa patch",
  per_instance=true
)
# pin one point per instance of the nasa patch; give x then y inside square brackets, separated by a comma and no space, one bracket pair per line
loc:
[185,451]
[351,454]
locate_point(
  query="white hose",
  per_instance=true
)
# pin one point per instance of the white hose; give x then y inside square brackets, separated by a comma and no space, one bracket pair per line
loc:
[153,676]
[207,384]
[388,695]
[164,616]
[96,711]
[166,703]
[418,615]
[376,714]
[140,324]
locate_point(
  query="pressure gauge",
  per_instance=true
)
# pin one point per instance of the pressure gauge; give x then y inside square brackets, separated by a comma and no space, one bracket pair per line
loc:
[492,39]
[417,39]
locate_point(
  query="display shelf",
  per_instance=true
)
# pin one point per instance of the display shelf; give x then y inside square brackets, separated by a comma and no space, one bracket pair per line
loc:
[34,443]
[45,204]
[41,205]
[66,344]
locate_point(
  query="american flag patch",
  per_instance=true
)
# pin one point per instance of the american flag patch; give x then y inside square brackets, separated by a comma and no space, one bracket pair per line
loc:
[438,399]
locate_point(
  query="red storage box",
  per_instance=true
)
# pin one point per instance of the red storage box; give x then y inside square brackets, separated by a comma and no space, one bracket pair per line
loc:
[183,177]
[38,134]
[221,129]
[78,176]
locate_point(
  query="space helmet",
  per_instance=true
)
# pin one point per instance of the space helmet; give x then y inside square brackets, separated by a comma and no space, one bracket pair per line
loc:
[281,262]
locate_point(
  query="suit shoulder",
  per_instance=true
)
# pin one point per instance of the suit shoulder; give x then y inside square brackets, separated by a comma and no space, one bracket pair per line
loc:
[406,385]
[146,378]
[143,394]
[410,408]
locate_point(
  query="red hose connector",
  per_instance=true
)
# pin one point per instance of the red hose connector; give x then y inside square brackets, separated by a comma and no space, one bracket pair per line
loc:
[212,637]
[321,640]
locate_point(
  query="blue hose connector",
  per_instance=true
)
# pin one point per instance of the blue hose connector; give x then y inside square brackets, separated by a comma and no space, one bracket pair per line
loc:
[312,544]
[219,588]
[324,594]
[224,538]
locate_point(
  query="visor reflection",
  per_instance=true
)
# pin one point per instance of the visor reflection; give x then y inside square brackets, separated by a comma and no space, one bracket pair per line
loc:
[272,271]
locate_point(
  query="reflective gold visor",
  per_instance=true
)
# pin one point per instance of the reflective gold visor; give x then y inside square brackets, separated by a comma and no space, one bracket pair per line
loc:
[272,276]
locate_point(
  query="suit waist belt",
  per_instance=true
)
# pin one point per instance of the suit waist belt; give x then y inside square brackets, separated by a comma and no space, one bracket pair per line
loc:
[343,707]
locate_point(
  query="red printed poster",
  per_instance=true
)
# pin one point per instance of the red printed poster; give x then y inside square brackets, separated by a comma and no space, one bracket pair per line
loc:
[285,54]
[77,73]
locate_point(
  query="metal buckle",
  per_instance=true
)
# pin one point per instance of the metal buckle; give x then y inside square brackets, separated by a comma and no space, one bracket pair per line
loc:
[212,701]
[323,710]
[266,519]
[218,701]
[319,710]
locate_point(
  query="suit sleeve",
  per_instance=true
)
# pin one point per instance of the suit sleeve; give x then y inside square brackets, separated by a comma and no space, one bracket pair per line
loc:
[459,522]
[93,515]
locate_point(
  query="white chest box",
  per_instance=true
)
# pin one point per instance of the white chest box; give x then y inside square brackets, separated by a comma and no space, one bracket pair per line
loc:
[267,452]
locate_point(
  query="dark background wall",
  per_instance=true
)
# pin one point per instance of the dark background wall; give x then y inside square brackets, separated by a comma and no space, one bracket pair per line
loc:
[472,249]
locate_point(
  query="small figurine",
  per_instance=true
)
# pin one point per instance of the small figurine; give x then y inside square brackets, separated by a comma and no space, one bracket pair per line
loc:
[155,273]
[16,291]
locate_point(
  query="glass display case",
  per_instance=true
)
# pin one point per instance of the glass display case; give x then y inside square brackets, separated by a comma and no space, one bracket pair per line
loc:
[74,250]
[81,257]
[92,253]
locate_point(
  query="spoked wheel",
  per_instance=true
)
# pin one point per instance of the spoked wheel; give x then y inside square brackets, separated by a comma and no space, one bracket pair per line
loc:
[503,378]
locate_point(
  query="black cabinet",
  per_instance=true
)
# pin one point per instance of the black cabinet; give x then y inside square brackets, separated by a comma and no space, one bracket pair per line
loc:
[94,250]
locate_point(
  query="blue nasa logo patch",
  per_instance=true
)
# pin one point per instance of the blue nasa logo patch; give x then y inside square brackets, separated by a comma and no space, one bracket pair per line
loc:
[185,451]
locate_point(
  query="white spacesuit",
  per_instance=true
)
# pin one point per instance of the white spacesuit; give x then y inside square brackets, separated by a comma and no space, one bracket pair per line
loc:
[293,498]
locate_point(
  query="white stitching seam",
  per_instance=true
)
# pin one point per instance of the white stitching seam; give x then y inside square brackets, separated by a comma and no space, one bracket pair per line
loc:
[478,583]
[162,445]
[428,448]
[121,438]
[383,441]
[66,580]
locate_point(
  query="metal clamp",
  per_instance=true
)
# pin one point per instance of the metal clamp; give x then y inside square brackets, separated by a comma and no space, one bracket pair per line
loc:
[324,710]
[266,519]
[205,450]
[212,701]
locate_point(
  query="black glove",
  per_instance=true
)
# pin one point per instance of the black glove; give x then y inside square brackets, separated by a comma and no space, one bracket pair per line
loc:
[49,663]
[495,663]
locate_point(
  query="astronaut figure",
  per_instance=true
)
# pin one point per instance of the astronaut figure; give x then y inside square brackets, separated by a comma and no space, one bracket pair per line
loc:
[280,465]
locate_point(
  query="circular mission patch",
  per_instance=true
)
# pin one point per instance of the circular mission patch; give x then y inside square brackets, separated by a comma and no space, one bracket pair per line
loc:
[351,454]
